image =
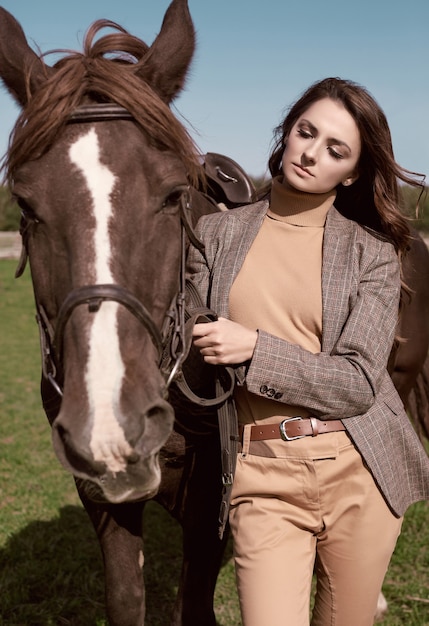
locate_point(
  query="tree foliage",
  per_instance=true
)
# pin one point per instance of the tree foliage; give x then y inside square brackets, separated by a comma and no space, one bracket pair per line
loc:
[9,211]
[416,206]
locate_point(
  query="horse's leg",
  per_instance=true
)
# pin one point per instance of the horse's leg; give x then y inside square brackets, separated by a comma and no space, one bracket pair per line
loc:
[119,532]
[202,548]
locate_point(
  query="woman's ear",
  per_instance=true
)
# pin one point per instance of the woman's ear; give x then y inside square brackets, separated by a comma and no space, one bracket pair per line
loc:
[350,179]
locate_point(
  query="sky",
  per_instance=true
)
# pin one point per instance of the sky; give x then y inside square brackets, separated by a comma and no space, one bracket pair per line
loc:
[254,59]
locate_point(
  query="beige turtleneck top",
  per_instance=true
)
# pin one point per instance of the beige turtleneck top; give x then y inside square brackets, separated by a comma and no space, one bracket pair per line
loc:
[278,288]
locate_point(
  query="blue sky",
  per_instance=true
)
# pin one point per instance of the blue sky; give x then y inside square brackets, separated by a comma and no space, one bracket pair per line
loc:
[255,58]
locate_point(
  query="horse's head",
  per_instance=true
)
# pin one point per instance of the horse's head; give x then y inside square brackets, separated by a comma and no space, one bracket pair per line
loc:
[102,189]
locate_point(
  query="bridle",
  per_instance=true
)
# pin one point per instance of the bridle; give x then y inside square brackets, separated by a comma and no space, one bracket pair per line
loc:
[172,342]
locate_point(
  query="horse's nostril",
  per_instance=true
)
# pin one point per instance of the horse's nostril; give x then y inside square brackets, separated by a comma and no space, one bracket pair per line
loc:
[133,458]
[71,453]
[153,412]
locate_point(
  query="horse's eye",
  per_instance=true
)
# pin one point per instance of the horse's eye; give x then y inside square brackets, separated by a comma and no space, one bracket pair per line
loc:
[27,212]
[171,203]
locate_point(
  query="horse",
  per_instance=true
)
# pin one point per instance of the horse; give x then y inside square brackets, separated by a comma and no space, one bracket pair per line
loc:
[106,178]
[409,364]
[110,184]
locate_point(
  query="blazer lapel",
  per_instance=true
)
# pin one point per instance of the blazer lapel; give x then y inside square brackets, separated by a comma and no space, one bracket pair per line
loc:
[337,268]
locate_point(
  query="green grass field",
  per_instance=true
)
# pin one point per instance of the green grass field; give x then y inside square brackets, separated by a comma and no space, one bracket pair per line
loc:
[50,566]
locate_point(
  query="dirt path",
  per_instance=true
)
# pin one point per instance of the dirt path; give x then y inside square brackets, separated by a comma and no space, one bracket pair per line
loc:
[10,245]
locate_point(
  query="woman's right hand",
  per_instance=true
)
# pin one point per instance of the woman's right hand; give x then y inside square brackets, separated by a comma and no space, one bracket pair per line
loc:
[224,342]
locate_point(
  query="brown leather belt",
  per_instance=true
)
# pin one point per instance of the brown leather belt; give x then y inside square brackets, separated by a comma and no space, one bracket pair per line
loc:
[293,428]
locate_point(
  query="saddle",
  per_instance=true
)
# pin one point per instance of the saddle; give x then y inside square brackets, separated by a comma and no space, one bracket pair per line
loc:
[227,182]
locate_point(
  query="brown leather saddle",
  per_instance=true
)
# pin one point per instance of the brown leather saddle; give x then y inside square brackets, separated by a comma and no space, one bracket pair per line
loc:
[227,182]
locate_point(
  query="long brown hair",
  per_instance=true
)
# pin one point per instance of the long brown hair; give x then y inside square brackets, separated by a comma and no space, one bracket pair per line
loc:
[374,199]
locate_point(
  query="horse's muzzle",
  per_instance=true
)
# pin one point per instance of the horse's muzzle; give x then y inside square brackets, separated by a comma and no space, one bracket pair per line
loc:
[125,469]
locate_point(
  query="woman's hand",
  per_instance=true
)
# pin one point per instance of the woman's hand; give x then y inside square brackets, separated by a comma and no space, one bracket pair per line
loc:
[224,342]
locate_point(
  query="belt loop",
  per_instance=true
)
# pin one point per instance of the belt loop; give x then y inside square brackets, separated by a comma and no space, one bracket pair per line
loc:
[314,426]
[246,439]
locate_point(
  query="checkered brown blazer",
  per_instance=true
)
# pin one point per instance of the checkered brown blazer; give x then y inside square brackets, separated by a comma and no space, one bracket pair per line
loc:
[348,378]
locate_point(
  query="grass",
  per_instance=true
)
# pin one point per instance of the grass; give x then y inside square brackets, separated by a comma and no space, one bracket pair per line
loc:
[51,570]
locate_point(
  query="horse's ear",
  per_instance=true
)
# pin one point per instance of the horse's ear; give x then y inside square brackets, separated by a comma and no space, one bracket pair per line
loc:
[167,61]
[18,60]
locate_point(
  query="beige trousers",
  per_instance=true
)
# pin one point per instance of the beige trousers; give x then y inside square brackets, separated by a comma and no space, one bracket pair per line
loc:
[314,505]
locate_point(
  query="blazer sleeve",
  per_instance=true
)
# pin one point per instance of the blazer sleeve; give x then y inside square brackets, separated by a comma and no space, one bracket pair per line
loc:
[344,382]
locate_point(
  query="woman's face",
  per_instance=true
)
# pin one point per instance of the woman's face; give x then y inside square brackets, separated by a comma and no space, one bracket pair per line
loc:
[322,149]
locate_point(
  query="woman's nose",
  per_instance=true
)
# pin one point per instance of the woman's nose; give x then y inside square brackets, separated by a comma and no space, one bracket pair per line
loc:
[309,156]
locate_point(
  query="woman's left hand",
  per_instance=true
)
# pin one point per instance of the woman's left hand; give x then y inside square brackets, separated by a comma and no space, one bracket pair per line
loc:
[224,342]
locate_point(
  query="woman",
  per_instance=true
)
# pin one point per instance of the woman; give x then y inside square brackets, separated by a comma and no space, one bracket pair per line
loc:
[307,284]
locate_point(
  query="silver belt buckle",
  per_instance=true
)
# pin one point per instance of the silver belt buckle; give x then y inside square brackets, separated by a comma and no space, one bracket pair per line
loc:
[282,428]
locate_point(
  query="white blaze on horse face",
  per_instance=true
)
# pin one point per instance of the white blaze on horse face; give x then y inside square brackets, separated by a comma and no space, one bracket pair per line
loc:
[105,368]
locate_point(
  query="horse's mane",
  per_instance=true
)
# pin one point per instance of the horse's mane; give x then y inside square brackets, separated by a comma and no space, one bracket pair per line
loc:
[106,71]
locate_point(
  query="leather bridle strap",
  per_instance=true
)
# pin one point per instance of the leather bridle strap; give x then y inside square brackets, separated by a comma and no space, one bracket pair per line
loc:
[199,317]
[99,112]
[94,296]
[185,210]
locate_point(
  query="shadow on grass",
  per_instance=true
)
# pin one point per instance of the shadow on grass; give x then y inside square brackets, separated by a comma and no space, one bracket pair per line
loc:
[51,572]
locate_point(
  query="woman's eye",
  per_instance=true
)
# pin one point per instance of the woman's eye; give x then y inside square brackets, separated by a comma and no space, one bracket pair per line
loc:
[335,154]
[304,133]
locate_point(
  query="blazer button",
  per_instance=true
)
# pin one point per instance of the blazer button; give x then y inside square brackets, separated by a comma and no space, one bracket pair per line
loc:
[263,389]
[278,395]
[271,393]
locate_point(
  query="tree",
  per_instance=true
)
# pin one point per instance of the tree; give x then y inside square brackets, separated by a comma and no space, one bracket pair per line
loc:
[9,211]
[416,206]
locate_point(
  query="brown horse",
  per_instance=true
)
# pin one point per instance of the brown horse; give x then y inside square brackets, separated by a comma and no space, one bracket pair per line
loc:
[103,173]
[409,363]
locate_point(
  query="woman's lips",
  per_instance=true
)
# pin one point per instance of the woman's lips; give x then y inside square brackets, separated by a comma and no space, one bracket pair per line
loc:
[301,169]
